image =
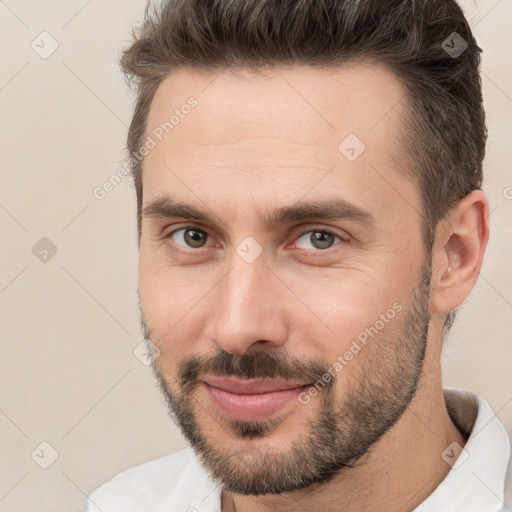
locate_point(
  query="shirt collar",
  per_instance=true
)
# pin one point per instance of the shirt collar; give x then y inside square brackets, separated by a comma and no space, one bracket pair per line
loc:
[476,481]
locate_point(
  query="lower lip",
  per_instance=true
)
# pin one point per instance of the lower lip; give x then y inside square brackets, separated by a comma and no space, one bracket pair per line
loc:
[251,407]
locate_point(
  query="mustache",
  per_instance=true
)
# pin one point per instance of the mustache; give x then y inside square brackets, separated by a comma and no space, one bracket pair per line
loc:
[257,365]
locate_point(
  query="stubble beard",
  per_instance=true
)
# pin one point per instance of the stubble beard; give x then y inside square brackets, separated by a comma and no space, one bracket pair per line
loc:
[339,435]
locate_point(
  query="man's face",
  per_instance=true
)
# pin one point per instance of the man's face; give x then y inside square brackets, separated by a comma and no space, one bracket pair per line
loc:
[265,295]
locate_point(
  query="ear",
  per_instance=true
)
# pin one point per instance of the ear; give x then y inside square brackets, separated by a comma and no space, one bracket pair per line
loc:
[458,252]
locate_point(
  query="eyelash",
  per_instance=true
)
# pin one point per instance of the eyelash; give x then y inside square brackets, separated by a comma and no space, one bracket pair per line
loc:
[300,235]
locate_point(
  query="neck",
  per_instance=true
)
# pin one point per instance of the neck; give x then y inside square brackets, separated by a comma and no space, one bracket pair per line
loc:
[400,471]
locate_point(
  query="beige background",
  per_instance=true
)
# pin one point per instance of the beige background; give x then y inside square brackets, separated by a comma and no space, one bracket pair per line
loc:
[68,375]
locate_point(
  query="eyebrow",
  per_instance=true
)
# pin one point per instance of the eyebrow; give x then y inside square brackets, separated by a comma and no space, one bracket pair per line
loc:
[323,209]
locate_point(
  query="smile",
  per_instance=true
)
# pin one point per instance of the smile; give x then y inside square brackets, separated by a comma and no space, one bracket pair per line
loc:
[250,400]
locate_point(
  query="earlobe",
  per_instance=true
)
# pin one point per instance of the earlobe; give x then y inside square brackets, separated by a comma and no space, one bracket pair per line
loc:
[458,253]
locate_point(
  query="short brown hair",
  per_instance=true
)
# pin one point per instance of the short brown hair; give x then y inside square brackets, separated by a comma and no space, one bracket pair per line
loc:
[445,132]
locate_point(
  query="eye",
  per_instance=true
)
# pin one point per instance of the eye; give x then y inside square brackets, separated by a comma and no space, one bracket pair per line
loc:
[189,237]
[192,237]
[316,239]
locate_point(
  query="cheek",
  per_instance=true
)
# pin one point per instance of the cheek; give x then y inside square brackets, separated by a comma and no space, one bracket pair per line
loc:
[343,309]
[172,305]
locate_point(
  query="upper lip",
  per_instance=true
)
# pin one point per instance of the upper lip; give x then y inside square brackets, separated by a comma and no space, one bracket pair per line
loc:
[249,387]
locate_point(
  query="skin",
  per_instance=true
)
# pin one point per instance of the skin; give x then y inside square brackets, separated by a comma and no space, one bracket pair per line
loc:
[260,141]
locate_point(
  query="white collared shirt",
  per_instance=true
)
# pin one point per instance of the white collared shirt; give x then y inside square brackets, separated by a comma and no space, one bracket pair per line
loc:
[477,482]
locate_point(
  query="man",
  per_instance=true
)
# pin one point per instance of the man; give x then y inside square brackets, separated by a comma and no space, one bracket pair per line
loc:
[308,178]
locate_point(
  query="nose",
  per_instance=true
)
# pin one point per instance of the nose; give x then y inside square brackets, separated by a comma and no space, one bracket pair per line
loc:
[248,309]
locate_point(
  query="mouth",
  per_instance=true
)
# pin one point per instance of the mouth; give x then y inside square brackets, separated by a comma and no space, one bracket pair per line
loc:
[250,400]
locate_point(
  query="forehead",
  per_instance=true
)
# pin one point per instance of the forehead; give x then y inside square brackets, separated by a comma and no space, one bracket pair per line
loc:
[312,104]
[276,134]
